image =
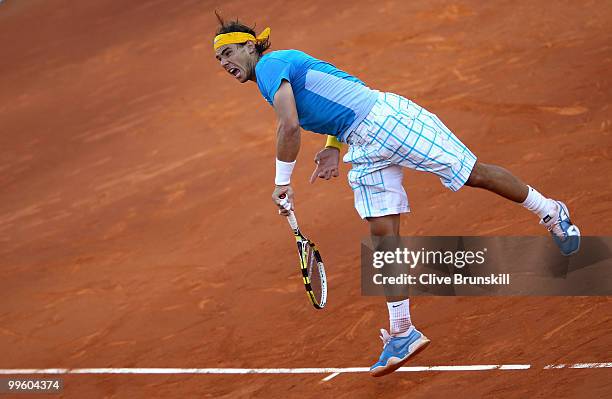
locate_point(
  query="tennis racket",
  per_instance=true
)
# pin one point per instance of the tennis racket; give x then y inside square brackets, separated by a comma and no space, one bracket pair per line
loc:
[311,263]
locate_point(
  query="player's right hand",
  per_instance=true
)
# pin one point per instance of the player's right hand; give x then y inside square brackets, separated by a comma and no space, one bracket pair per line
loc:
[327,161]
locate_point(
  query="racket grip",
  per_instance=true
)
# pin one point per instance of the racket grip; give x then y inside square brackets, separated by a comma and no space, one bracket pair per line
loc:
[292,221]
[291,218]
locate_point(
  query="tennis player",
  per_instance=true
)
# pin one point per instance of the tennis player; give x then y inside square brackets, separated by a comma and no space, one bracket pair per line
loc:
[385,133]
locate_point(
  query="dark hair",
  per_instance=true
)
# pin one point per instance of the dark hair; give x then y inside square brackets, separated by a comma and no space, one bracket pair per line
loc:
[237,26]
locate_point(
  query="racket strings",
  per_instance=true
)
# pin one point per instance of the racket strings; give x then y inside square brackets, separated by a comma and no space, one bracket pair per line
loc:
[314,273]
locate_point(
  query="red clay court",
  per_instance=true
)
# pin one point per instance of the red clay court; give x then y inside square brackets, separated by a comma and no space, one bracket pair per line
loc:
[137,231]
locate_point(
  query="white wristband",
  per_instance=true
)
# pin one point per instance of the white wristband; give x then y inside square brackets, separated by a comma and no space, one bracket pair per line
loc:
[283,172]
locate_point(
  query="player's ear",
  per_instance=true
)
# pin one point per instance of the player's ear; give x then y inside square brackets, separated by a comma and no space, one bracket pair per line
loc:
[250,46]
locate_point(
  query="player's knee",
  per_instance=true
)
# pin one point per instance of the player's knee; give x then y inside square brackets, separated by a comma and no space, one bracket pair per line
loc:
[479,177]
[382,226]
[380,231]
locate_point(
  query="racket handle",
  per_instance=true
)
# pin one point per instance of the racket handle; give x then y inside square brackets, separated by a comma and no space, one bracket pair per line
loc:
[291,218]
[292,221]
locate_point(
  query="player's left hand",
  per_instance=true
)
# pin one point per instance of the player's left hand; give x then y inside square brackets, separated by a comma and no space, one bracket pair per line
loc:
[327,164]
[280,195]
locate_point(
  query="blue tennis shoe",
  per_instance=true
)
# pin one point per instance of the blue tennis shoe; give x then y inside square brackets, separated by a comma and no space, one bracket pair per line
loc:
[397,351]
[565,234]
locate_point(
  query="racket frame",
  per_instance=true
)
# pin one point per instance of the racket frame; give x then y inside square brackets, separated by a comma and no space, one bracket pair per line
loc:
[303,243]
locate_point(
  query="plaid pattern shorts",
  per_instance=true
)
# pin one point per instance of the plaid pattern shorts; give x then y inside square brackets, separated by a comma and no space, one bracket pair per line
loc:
[398,133]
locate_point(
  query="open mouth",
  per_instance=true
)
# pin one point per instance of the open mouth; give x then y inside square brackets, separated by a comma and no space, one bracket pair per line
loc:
[234,71]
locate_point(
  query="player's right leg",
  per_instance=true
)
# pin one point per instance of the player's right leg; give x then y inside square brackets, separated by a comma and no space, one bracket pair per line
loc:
[380,199]
[403,340]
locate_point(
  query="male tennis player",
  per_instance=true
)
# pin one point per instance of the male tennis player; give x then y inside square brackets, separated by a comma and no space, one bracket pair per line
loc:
[385,133]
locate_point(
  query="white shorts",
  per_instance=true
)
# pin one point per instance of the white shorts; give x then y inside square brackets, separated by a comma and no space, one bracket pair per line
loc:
[398,133]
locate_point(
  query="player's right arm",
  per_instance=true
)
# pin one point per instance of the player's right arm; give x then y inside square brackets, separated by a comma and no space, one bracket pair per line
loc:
[327,160]
[287,143]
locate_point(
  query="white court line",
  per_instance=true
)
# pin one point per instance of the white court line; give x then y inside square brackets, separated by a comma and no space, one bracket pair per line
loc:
[186,371]
[332,371]
[579,366]
[329,377]
[477,367]
[256,371]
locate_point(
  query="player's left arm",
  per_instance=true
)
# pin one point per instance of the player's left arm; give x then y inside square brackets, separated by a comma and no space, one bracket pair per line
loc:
[288,131]
[288,137]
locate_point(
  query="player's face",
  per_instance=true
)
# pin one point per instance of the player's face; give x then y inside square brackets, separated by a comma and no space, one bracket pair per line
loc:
[237,60]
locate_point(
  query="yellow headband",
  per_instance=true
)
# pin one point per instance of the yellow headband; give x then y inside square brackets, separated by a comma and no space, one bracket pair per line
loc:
[239,37]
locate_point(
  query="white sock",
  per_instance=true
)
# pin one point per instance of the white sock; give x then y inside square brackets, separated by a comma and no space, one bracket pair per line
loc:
[399,317]
[539,204]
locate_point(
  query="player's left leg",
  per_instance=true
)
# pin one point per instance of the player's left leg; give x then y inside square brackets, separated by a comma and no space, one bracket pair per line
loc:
[500,181]
[419,140]
[553,214]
